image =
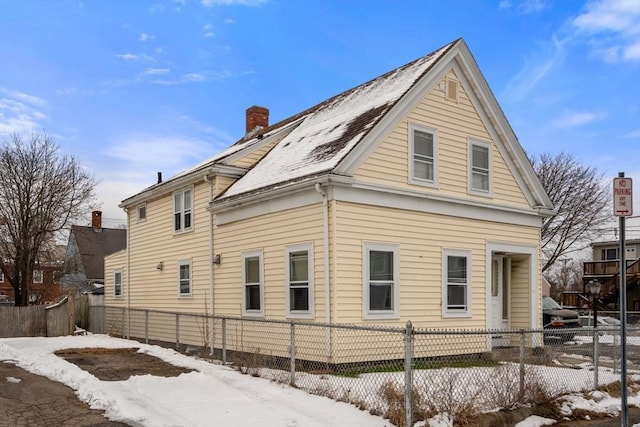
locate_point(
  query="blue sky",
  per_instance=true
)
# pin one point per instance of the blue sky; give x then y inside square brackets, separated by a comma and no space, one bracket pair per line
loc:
[136,87]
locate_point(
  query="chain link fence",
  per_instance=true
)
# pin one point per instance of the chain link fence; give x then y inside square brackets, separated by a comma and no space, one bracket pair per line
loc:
[404,374]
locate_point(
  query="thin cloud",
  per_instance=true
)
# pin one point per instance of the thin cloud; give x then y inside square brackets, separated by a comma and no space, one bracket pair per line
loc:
[20,112]
[612,28]
[576,119]
[144,37]
[250,3]
[195,78]
[170,154]
[155,71]
[534,71]
[632,135]
[126,56]
[504,4]
[528,7]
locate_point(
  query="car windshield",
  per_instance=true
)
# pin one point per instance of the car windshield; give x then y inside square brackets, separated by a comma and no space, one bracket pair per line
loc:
[549,303]
[611,321]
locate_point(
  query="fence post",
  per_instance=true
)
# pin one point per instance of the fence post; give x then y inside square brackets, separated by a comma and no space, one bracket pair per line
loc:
[146,326]
[408,375]
[522,354]
[224,341]
[177,331]
[292,353]
[595,357]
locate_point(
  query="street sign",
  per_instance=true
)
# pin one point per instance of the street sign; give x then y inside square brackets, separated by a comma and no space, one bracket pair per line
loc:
[622,197]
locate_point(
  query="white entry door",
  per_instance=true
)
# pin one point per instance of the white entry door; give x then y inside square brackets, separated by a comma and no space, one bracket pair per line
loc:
[499,293]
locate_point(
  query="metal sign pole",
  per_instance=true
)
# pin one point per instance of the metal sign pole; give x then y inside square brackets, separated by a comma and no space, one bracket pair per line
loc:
[623,207]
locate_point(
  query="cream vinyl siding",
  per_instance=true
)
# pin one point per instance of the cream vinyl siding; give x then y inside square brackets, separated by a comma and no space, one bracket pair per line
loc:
[520,305]
[270,233]
[222,183]
[113,262]
[252,156]
[422,240]
[153,242]
[455,123]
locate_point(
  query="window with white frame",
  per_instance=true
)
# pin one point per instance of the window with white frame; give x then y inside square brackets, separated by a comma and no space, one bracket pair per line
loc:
[380,279]
[142,212]
[182,210]
[422,163]
[117,283]
[299,272]
[252,282]
[184,278]
[37,276]
[480,161]
[457,282]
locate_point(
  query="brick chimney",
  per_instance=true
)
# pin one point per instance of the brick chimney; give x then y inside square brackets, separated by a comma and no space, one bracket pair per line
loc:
[96,220]
[257,117]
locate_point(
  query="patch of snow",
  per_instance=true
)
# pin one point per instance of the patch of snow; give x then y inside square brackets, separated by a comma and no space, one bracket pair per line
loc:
[535,421]
[13,380]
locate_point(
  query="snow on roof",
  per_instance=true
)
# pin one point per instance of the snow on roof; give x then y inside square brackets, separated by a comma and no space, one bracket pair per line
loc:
[332,129]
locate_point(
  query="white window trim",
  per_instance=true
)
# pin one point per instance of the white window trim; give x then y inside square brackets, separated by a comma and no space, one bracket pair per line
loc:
[445,311]
[245,255]
[412,179]
[115,294]
[476,191]
[143,205]
[41,279]
[173,224]
[308,314]
[181,263]
[394,313]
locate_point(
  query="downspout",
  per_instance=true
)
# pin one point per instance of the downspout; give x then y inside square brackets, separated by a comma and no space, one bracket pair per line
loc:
[325,232]
[128,246]
[210,183]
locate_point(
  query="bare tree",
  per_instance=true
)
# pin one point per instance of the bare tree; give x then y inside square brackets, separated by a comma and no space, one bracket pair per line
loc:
[41,192]
[581,200]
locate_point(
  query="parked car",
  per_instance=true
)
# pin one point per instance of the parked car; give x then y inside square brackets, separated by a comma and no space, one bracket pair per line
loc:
[563,321]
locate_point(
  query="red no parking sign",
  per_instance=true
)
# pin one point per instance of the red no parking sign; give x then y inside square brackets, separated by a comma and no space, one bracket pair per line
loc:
[622,197]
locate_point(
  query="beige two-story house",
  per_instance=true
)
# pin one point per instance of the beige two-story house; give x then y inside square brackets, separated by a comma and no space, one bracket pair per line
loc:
[405,198]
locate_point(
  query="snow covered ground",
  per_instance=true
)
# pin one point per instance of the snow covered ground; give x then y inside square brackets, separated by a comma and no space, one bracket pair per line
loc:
[215,394]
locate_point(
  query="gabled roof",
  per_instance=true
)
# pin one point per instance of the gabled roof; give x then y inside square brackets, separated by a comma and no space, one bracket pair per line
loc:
[94,245]
[335,136]
[329,131]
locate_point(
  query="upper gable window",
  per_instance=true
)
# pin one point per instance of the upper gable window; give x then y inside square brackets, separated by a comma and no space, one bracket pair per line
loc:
[182,210]
[423,149]
[142,212]
[480,167]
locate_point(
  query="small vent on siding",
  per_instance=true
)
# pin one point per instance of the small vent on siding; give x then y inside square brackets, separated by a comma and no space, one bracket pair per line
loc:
[452,90]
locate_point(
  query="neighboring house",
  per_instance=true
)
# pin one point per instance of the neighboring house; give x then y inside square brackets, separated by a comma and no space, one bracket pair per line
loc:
[45,286]
[86,250]
[405,198]
[605,267]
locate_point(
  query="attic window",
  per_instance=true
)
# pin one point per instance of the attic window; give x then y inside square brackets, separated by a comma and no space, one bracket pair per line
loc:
[452,90]
[142,212]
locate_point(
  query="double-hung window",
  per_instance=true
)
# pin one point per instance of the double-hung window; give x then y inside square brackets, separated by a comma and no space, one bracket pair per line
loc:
[182,210]
[184,278]
[252,282]
[480,167]
[117,283]
[457,283]
[299,272]
[422,162]
[142,212]
[37,276]
[380,280]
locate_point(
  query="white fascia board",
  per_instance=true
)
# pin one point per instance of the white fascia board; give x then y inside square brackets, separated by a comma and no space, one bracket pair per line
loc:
[274,200]
[391,197]
[166,188]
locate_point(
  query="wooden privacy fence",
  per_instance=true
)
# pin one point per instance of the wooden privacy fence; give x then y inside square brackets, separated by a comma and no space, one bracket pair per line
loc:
[41,321]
